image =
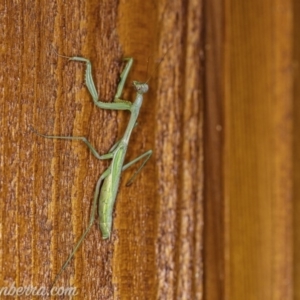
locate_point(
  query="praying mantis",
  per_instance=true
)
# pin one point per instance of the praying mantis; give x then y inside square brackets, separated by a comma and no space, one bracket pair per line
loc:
[107,185]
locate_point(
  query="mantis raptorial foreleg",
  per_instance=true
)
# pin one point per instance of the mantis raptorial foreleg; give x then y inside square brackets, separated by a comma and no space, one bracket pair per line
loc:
[118,104]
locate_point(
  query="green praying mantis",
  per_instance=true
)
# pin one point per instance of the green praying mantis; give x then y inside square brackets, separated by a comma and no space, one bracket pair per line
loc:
[108,183]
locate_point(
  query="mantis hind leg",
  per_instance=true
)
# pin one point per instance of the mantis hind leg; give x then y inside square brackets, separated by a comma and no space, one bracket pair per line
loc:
[91,222]
[145,155]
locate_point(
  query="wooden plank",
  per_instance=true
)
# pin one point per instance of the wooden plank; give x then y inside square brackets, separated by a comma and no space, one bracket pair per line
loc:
[258,149]
[214,229]
[296,152]
[170,242]
[47,185]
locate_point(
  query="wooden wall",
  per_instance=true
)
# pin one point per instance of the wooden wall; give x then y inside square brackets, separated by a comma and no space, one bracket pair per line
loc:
[214,213]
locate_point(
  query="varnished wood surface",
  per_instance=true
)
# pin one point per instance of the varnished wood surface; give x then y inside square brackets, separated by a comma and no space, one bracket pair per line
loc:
[296,153]
[251,171]
[258,150]
[47,186]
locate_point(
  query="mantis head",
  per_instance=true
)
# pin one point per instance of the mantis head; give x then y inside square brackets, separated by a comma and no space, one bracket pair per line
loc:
[140,87]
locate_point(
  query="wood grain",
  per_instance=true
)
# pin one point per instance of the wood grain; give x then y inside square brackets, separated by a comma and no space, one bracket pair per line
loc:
[258,150]
[296,152]
[251,150]
[214,228]
[171,245]
[46,186]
